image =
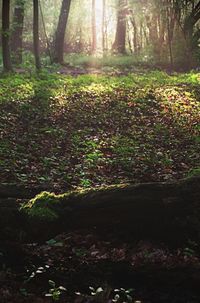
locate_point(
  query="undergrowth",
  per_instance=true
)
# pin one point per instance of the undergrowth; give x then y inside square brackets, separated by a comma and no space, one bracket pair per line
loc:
[63,131]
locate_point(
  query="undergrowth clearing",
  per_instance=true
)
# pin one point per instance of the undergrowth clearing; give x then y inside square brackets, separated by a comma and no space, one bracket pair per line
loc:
[61,132]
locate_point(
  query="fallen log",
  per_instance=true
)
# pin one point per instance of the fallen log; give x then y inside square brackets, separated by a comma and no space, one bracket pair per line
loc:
[163,211]
[18,191]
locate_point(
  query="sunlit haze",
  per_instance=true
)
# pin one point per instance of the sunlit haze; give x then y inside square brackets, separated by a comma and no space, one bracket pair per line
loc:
[99,15]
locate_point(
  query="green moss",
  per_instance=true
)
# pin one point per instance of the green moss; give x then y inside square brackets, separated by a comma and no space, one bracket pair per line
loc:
[43,206]
[49,206]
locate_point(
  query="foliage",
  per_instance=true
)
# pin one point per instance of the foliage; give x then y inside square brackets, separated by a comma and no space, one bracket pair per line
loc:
[55,292]
[65,132]
[102,295]
[43,206]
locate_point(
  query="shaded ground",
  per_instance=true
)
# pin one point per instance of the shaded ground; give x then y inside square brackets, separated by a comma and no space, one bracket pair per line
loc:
[143,262]
[79,260]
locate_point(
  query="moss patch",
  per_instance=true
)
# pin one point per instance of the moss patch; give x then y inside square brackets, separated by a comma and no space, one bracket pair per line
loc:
[43,206]
[48,206]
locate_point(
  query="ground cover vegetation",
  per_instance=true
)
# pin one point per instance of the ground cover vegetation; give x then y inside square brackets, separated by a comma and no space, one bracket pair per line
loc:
[59,133]
[63,132]
[99,151]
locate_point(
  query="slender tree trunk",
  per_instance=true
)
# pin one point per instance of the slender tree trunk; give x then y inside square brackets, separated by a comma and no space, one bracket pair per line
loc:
[119,45]
[104,26]
[129,39]
[188,32]
[45,33]
[152,24]
[189,24]
[135,34]
[36,33]
[94,29]
[143,36]
[0,19]
[6,35]
[17,31]
[170,37]
[60,32]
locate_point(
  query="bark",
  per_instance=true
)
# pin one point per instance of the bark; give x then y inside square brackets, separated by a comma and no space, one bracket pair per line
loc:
[156,211]
[152,24]
[146,211]
[119,45]
[60,32]
[129,39]
[14,191]
[94,29]
[170,30]
[135,33]
[17,31]
[189,34]
[36,34]
[6,35]
[104,26]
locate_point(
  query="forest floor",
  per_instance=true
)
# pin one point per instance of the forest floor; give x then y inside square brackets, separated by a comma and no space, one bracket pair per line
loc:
[60,132]
[82,267]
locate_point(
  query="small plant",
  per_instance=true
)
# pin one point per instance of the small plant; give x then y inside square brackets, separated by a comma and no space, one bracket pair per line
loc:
[194,172]
[96,292]
[188,252]
[37,271]
[53,242]
[85,183]
[123,296]
[97,295]
[80,252]
[107,295]
[24,292]
[55,292]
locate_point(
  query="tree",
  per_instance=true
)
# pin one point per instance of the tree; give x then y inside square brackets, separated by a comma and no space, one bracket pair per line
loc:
[36,33]
[192,34]
[135,31]
[119,45]
[94,30]
[104,28]
[17,31]
[60,32]
[6,35]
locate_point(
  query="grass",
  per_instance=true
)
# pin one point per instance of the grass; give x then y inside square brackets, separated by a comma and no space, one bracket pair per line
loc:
[45,85]
[109,61]
[62,131]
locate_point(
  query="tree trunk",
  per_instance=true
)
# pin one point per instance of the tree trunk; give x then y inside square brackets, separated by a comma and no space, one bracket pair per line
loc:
[152,24]
[155,211]
[36,34]
[119,45]
[190,22]
[161,211]
[60,32]
[104,26]
[131,49]
[135,34]
[94,29]
[170,37]
[17,31]
[1,19]
[6,35]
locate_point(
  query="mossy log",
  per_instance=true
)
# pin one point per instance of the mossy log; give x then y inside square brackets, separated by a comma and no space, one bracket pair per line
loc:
[161,211]
[16,191]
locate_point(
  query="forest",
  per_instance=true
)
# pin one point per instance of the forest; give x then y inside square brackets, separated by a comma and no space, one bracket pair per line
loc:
[99,151]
